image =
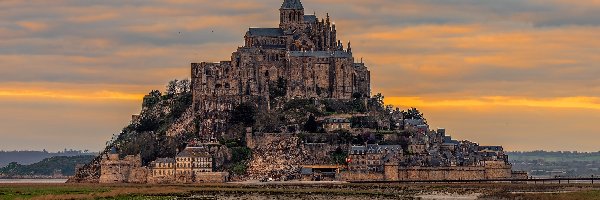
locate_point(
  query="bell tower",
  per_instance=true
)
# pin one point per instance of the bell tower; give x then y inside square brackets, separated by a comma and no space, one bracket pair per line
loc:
[291,15]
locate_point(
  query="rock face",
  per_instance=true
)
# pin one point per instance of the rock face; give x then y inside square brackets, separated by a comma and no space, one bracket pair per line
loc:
[162,127]
[283,155]
[276,156]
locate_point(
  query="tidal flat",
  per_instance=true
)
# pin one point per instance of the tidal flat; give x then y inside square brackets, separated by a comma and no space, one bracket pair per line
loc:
[301,191]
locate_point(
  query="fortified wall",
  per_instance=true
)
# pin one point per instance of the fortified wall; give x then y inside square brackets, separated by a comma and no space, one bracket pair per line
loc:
[127,170]
[394,173]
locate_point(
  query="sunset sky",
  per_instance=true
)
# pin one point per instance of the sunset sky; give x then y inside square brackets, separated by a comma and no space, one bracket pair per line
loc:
[524,74]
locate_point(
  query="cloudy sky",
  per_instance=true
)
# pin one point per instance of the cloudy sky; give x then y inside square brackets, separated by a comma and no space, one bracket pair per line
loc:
[520,73]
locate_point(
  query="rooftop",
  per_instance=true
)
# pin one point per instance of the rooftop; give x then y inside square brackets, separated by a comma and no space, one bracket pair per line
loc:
[320,54]
[310,18]
[271,32]
[194,152]
[292,4]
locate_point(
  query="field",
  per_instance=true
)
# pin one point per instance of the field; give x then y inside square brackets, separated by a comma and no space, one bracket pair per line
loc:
[301,191]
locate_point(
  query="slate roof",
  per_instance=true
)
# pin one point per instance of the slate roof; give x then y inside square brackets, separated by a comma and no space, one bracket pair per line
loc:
[337,120]
[292,4]
[310,18]
[320,54]
[165,160]
[194,152]
[271,32]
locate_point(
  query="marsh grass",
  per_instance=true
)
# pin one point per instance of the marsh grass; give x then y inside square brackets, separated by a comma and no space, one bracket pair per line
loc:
[342,191]
[576,195]
[31,191]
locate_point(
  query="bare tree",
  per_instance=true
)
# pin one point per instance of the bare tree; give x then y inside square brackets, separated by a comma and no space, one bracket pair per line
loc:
[184,86]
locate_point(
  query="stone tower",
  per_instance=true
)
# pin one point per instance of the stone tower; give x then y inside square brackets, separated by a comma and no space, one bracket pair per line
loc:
[291,15]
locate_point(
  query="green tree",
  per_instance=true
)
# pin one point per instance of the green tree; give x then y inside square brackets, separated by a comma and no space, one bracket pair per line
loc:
[339,156]
[279,89]
[244,114]
[311,125]
[413,113]
[172,87]
[379,99]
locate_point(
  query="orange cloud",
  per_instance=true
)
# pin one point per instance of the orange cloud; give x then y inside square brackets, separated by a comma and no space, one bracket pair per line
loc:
[592,103]
[33,26]
[72,92]
[66,95]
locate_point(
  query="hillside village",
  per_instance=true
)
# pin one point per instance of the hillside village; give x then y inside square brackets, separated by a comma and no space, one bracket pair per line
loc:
[291,104]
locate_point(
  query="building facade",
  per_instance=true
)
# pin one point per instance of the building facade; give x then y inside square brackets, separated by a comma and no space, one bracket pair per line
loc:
[192,165]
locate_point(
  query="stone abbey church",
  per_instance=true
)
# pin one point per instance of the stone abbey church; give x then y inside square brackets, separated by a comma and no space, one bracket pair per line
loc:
[302,57]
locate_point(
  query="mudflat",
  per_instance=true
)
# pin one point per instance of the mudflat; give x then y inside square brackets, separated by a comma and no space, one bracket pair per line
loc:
[301,191]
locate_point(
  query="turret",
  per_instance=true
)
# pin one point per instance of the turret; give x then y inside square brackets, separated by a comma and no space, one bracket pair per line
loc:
[349,48]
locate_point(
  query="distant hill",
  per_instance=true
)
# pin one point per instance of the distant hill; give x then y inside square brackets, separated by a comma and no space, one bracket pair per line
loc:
[59,165]
[555,156]
[30,157]
[559,163]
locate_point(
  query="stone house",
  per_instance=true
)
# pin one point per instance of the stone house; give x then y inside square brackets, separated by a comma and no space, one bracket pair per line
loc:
[334,124]
[191,162]
[162,170]
[372,157]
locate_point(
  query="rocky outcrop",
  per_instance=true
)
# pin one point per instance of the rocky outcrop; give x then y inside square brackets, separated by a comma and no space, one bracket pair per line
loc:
[283,155]
[275,155]
[166,115]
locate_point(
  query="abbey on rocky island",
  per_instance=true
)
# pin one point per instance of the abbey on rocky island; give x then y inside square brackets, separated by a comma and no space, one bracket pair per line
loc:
[302,57]
[291,104]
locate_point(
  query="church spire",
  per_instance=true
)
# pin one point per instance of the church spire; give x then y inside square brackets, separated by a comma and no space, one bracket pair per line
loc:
[292,5]
[291,14]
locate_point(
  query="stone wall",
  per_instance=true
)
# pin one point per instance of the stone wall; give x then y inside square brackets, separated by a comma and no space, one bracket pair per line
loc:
[497,170]
[127,170]
[492,170]
[391,172]
[211,177]
[138,175]
[161,179]
[441,173]
[359,176]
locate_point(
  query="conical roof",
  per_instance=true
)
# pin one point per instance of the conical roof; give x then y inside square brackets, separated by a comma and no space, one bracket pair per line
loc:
[292,4]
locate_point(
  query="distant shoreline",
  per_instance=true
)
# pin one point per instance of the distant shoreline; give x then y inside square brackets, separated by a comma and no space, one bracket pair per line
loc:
[33,181]
[33,178]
